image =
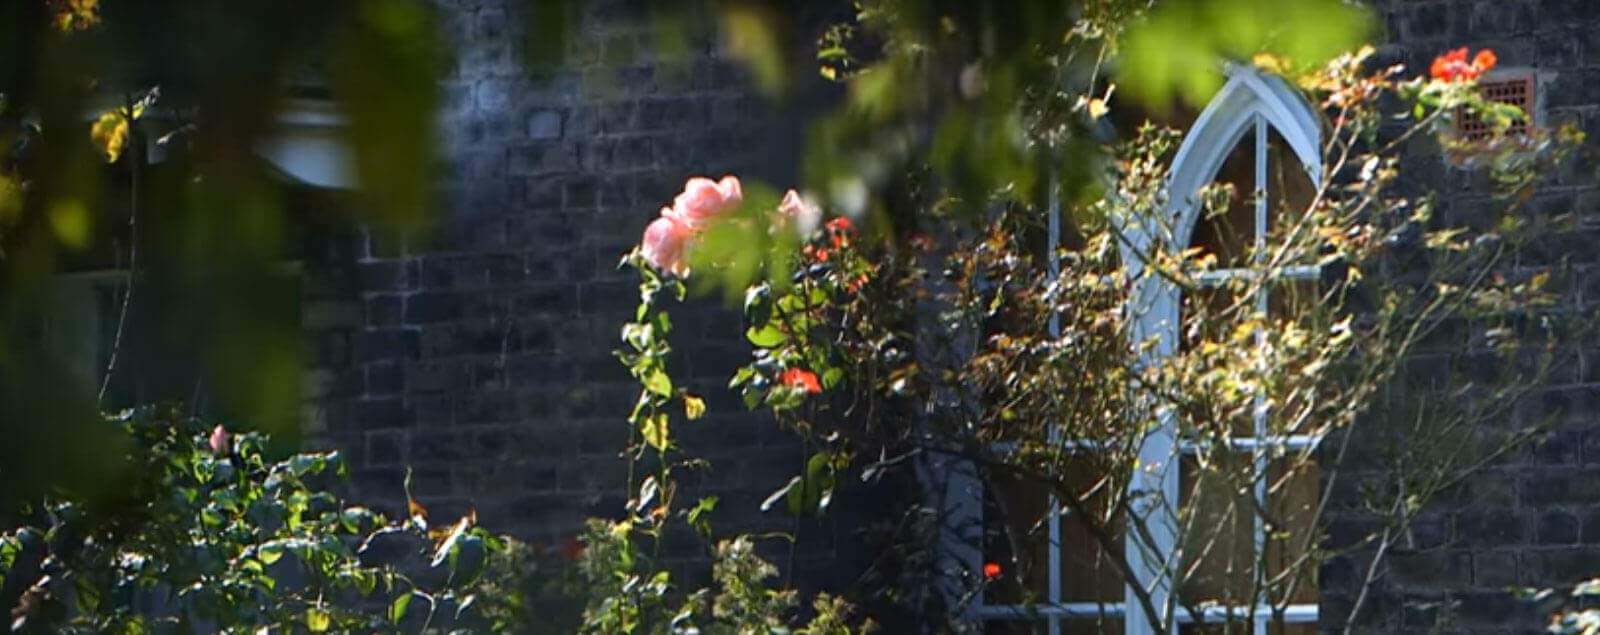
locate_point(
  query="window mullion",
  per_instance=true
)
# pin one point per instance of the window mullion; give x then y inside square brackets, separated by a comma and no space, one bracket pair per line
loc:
[1259,413]
[1054,546]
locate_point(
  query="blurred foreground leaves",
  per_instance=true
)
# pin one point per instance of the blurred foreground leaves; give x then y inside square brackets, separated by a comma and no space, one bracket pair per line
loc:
[97,174]
[1003,102]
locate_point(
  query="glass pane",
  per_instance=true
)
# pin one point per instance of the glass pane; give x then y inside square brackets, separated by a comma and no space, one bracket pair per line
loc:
[1289,190]
[1227,232]
[1016,536]
[1220,550]
[1229,629]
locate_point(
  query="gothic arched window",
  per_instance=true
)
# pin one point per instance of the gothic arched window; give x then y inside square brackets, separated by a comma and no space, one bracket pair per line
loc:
[1260,136]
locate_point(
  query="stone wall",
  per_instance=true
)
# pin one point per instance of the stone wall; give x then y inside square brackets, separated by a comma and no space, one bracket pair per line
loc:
[480,357]
[1534,518]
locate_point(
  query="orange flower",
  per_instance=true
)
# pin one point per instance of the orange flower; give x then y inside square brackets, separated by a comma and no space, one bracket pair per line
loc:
[801,378]
[991,570]
[856,284]
[1453,66]
[1485,60]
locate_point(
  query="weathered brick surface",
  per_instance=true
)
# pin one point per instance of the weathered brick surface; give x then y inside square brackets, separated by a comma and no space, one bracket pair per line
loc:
[1530,520]
[481,357]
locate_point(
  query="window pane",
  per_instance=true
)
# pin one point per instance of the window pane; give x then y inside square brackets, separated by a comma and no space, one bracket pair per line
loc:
[1227,232]
[1225,629]
[1220,548]
[1016,536]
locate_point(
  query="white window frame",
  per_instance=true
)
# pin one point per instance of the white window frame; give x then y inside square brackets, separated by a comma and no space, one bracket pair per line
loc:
[1250,100]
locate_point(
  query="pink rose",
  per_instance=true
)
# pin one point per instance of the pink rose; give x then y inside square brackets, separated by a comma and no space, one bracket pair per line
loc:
[703,200]
[663,244]
[221,443]
[805,215]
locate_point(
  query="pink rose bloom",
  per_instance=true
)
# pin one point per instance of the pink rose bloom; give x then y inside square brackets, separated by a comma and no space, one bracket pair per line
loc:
[703,200]
[220,441]
[805,215]
[663,244]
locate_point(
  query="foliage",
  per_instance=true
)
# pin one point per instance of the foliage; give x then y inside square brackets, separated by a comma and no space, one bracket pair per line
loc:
[957,340]
[164,182]
[1572,615]
[630,590]
[216,535]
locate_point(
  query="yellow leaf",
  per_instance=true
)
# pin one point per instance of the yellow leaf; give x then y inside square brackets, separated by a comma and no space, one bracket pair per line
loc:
[1539,280]
[693,406]
[655,431]
[1272,63]
[318,620]
[110,134]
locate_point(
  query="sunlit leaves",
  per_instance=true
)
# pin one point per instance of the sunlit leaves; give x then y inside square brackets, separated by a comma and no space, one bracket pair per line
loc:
[110,134]
[1178,48]
[112,130]
[248,544]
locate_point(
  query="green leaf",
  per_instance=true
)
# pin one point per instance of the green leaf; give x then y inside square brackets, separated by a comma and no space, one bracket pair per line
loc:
[750,35]
[397,608]
[1178,48]
[832,377]
[270,553]
[816,487]
[765,337]
[699,516]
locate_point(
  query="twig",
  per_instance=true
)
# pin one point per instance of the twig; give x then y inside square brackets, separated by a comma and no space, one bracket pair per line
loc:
[136,159]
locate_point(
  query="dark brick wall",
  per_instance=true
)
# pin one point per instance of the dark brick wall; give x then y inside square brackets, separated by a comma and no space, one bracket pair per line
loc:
[1533,519]
[481,356]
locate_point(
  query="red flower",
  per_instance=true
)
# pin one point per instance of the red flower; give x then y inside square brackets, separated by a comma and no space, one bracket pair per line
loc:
[1453,66]
[801,378]
[841,224]
[991,570]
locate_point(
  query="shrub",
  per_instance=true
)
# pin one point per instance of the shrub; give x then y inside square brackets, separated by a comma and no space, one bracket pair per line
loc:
[213,533]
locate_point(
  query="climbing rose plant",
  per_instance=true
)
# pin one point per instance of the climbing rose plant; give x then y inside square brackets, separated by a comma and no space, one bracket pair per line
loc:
[949,338]
[630,589]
